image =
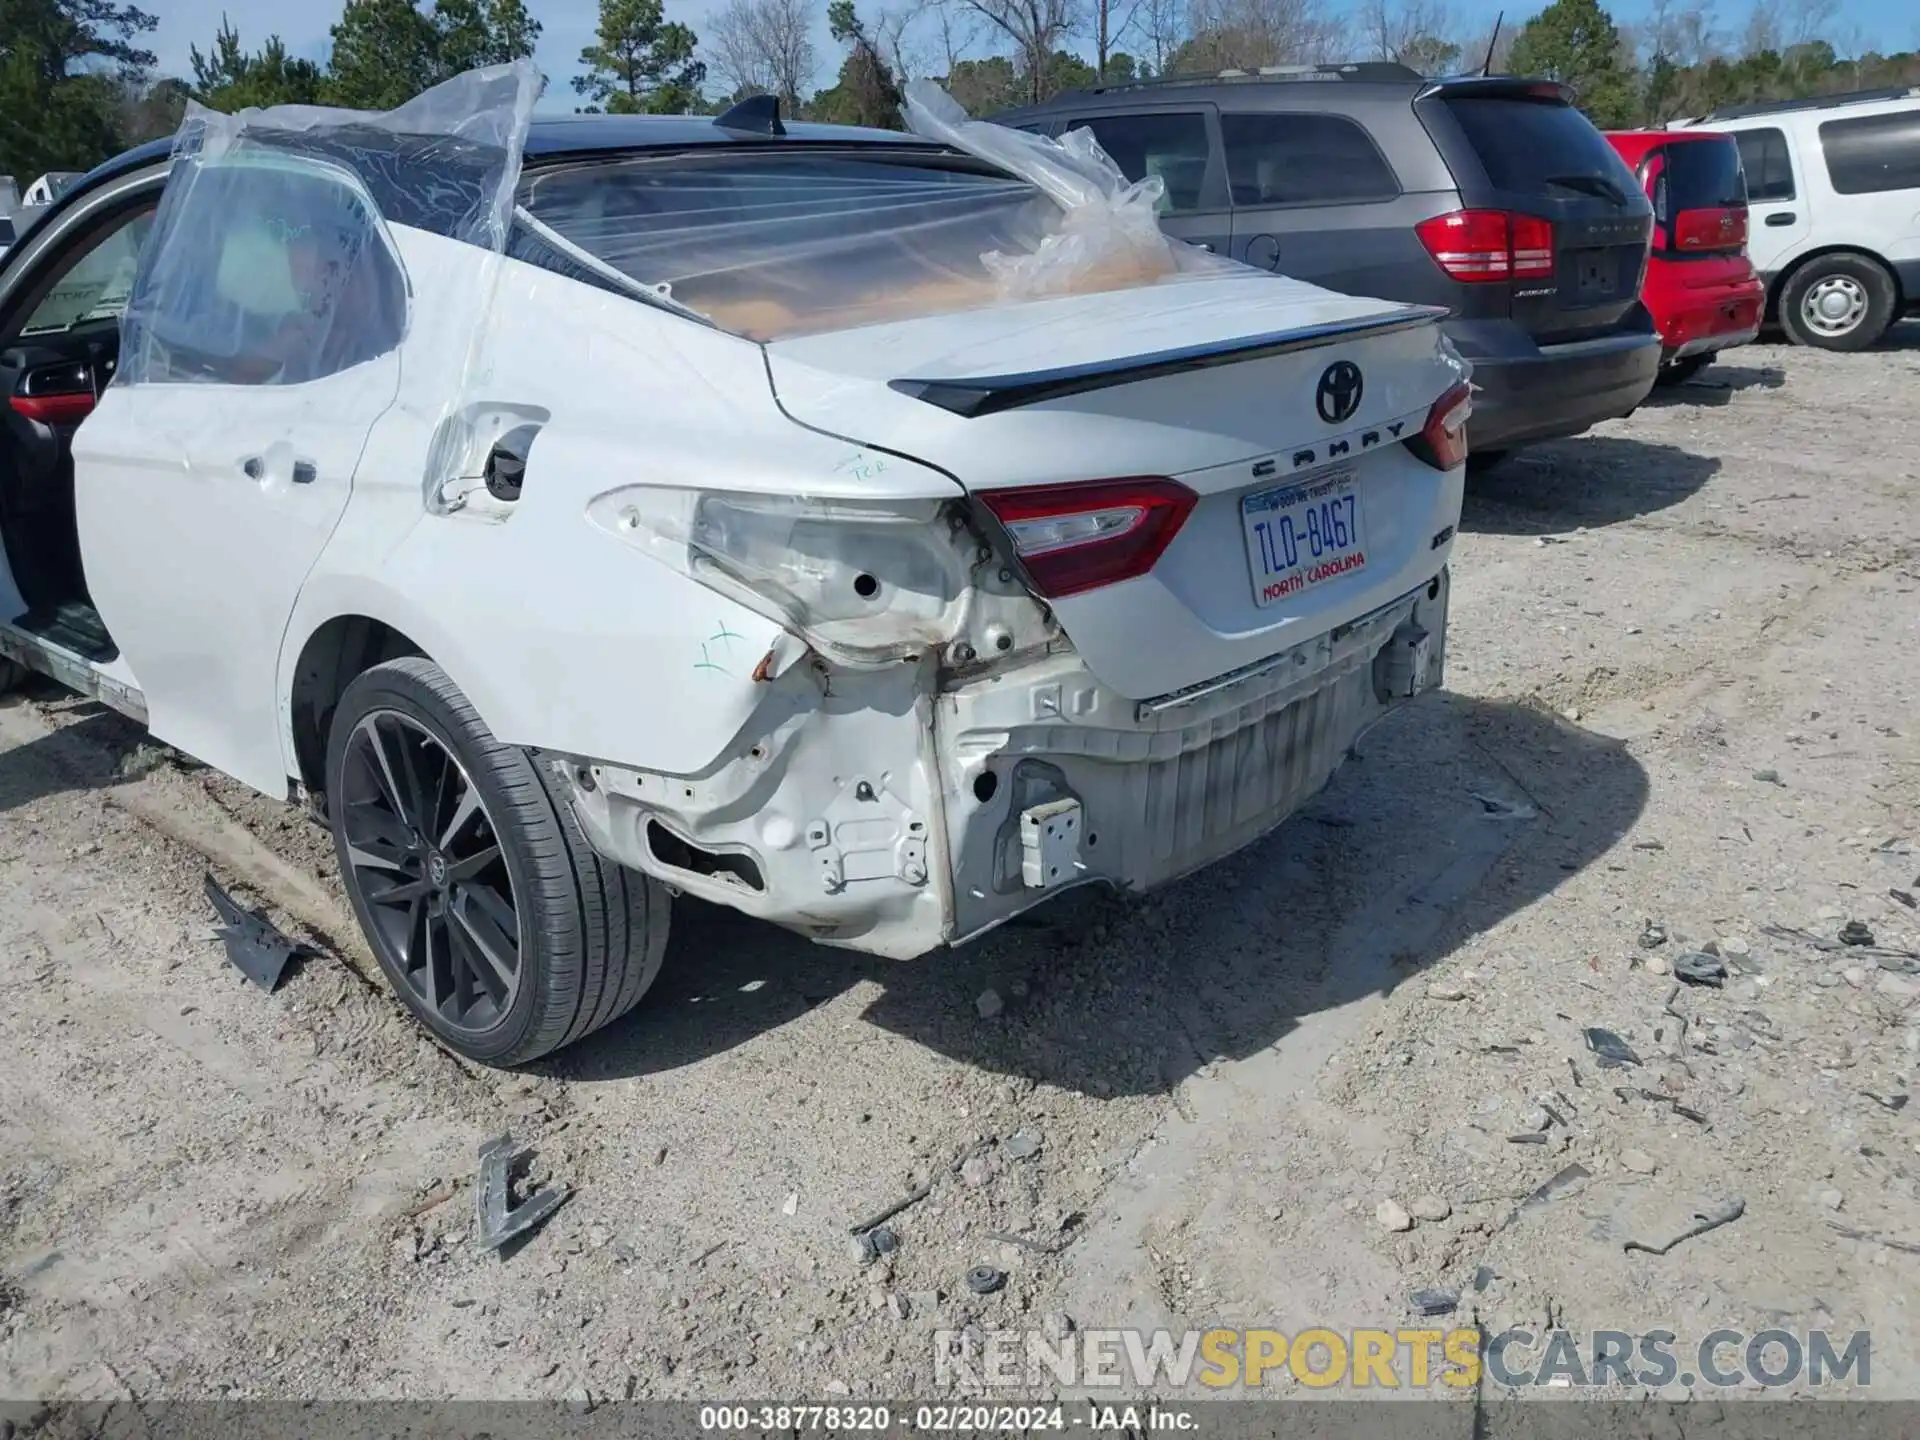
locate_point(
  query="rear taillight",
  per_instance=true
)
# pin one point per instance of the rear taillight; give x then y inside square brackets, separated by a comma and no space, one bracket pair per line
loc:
[1442,441]
[1489,245]
[1076,537]
[1700,231]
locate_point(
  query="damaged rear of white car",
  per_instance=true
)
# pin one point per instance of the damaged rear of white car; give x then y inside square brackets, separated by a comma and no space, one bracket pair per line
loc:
[872,534]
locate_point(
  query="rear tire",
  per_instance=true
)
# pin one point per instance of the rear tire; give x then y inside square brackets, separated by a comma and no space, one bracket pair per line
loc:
[504,932]
[1837,302]
[12,675]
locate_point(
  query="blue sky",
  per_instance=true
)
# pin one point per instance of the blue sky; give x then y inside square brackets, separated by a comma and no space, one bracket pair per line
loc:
[1884,24]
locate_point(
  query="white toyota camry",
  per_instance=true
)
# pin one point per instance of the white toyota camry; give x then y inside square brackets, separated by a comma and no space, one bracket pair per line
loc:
[874,532]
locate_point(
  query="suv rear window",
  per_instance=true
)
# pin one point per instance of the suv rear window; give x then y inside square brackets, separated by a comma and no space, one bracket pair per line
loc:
[1535,146]
[1873,153]
[771,245]
[1703,175]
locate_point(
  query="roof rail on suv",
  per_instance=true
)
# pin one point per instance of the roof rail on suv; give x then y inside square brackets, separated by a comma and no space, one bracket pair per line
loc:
[1811,102]
[1377,71]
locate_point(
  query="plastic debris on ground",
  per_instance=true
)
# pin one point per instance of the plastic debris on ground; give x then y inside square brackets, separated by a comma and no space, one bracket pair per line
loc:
[497,1219]
[257,949]
[1609,1049]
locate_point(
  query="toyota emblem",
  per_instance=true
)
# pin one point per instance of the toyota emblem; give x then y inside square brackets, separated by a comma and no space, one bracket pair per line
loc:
[1340,390]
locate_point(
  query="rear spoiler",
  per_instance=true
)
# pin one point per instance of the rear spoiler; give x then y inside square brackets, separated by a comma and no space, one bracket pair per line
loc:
[974,396]
[1497,87]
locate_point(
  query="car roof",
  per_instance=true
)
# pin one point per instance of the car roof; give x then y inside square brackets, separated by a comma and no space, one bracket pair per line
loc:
[1289,87]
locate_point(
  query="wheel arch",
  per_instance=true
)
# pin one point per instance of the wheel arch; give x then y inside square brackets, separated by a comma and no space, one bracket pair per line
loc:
[336,652]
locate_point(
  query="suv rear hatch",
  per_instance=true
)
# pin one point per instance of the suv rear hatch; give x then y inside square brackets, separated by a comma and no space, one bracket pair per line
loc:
[1699,201]
[1282,413]
[1534,171]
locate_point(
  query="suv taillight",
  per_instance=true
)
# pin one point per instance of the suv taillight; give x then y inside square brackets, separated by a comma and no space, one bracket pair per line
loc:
[1478,246]
[1077,537]
[1442,441]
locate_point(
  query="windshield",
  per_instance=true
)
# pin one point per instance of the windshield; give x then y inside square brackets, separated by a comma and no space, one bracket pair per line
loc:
[768,245]
[1540,146]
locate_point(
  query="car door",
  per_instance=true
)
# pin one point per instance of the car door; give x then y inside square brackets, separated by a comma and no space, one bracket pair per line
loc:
[1779,220]
[1181,147]
[1314,198]
[259,349]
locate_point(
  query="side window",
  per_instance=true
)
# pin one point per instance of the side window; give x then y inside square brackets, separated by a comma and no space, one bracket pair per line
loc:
[96,282]
[1174,147]
[263,269]
[1763,155]
[1303,159]
[1871,154]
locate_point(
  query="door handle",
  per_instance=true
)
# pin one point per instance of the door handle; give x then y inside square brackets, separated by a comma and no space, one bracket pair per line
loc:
[1781,217]
[305,472]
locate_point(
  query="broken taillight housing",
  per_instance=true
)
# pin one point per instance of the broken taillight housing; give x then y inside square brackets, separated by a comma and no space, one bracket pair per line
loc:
[1442,441]
[866,581]
[1076,537]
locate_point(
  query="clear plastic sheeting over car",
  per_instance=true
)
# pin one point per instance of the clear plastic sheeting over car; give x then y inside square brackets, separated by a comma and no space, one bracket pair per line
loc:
[271,262]
[799,237]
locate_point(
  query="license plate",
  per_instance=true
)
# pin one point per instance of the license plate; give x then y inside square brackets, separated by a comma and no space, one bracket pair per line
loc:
[1303,534]
[1596,270]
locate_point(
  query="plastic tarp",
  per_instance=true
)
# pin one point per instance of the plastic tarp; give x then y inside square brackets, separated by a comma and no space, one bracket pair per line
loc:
[799,237]
[271,262]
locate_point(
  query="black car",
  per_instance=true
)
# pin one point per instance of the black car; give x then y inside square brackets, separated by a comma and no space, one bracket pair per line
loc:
[1492,196]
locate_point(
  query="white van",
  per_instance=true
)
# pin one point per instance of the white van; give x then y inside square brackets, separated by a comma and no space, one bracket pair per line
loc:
[1833,186]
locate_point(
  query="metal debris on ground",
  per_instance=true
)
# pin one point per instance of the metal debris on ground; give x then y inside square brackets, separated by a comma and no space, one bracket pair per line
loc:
[257,948]
[1021,1242]
[912,1197]
[1530,1137]
[1434,1302]
[1855,932]
[984,1279]
[1609,1049]
[1904,898]
[1703,1221]
[1653,936]
[497,1220]
[1896,1102]
[1697,967]
[1805,937]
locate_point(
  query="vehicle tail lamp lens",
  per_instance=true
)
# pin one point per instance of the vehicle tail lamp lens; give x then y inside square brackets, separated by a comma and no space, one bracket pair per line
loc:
[1081,536]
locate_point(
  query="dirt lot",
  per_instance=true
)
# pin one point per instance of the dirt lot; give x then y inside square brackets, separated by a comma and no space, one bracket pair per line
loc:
[1682,674]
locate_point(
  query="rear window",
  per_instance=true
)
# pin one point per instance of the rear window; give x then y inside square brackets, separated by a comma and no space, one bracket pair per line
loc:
[1701,175]
[1873,153]
[1538,146]
[767,245]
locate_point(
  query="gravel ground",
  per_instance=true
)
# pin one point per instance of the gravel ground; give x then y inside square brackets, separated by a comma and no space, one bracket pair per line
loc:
[1682,691]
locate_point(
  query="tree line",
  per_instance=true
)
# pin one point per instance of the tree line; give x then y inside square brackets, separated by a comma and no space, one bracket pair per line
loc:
[78,81]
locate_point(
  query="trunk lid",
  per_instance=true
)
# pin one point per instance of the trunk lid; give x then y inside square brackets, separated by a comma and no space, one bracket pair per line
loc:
[1242,389]
[1520,147]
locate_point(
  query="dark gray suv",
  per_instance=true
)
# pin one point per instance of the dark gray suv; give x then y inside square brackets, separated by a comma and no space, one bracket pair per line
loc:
[1490,195]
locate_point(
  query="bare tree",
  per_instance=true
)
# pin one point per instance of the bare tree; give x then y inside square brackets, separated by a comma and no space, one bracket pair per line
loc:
[763,47]
[1680,31]
[1107,31]
[1412,32]
[1037,29]
[1246,34]
[1159,28]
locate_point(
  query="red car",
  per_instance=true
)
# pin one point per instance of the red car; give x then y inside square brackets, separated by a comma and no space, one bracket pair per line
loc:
[1700,285]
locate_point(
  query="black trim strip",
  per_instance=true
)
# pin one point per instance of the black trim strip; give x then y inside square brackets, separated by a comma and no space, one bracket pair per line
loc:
[990,394]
